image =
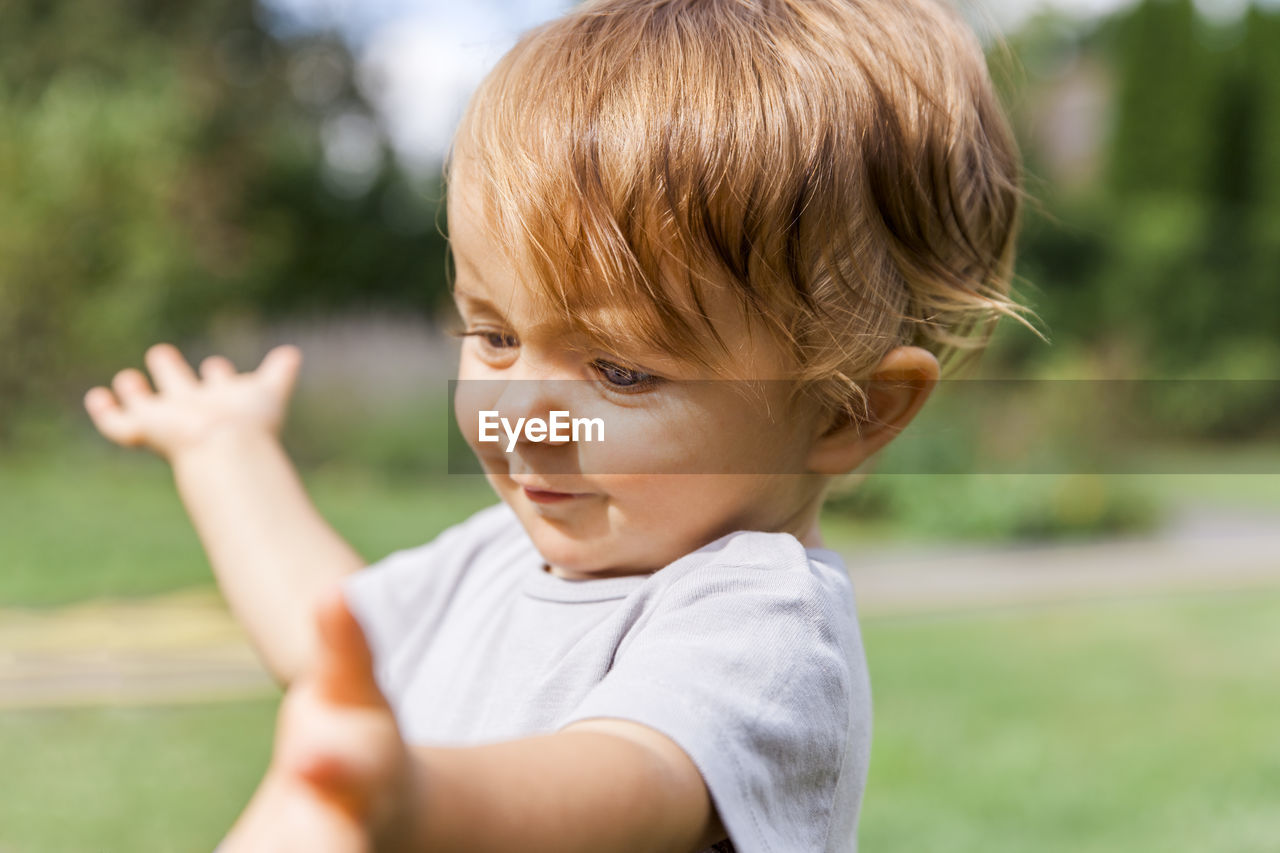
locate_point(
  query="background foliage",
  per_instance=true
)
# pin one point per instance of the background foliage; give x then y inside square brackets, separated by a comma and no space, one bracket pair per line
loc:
[171,172]
[1169,259]
[161,172]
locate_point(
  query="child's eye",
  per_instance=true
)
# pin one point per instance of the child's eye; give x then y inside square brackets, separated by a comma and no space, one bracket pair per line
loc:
[623,378]
[498,340]
[491,339]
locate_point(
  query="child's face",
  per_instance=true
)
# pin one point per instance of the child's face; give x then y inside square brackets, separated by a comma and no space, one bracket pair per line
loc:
[625,505]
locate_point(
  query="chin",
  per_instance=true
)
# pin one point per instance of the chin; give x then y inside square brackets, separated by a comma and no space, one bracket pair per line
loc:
[564,553]
[595,558]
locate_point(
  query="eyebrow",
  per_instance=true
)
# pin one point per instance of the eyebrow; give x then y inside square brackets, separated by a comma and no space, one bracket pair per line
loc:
[477,301]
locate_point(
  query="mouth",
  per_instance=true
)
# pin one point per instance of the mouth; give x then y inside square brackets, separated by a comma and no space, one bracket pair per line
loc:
[537,490]
[547,496]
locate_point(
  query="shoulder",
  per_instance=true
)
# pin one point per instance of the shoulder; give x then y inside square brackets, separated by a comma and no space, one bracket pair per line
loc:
[749,602]
[770,574]
[759,553]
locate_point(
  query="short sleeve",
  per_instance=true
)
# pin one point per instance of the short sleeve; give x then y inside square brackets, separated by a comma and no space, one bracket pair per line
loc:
[383,596]
[393,597]
[752,667]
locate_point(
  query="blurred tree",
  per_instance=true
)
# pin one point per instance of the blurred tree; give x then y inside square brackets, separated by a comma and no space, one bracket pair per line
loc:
[1260,57]
[165,163]
[1174,256]
[1165,75]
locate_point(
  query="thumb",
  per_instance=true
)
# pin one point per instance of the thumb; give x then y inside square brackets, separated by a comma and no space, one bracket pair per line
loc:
[280,368]
[344,664]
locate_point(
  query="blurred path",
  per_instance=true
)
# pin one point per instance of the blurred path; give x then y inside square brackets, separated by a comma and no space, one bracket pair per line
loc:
[1199,550]
[182,647]
[185,648]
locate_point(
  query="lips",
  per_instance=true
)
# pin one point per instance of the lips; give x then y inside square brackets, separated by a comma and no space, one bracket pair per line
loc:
[541,496]
[539,493]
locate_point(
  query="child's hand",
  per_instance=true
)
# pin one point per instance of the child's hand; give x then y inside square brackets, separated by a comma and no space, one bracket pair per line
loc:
[186,410]
[340,776]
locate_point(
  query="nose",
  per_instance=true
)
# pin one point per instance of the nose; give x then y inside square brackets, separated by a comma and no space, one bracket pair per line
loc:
[535,396]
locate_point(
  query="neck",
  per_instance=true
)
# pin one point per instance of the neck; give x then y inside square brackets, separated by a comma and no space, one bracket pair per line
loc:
[804,523]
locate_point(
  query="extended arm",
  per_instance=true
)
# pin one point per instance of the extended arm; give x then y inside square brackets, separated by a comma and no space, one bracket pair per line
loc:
[341,779]
[598,785]
[270,549]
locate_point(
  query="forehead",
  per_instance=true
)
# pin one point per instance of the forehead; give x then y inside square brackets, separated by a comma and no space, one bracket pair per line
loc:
[666,317]
[492,276]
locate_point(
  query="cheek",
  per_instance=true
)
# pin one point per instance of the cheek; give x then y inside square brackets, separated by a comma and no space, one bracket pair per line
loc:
[469,364]
[669,437]
[638,444]
[672,515]
[470,397]
[684,438]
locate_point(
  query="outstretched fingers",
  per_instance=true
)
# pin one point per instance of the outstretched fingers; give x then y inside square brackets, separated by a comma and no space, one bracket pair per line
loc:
[217,368]
[131,386]
[352,754]
[344,664]
[168,368]
[340,779]
[337,731]
[110,419]
[279,368]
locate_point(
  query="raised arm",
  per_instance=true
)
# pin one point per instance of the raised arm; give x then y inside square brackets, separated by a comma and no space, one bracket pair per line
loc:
[270,549]
[342,780]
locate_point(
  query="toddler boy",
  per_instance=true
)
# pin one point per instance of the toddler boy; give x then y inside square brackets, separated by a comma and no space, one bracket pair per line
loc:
[744,233]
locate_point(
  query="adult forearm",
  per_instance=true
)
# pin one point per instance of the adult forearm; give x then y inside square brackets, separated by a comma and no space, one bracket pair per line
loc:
[270,549]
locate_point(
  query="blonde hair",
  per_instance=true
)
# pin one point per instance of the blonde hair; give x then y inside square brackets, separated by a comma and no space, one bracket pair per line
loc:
[842,166]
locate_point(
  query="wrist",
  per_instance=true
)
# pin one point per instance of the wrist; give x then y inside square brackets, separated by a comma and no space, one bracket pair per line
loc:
[230,441]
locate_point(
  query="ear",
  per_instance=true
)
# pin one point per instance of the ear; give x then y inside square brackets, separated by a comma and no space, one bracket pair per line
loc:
[896,390]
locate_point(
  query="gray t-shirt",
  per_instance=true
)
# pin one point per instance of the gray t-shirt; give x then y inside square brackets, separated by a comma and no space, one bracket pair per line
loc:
[745,652]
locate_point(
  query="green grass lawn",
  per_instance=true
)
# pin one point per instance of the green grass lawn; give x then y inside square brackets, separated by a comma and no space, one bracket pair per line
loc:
[92,522]
[1138,726]
[129,779]
[1134,726]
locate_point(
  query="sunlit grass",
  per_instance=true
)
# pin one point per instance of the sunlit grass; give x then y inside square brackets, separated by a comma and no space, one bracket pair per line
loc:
[129,779]
[1141,726]
[1130,725]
